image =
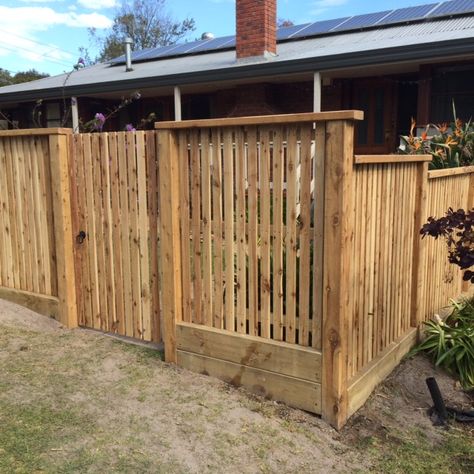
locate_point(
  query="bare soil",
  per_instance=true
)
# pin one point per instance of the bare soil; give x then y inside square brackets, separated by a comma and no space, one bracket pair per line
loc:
[78,401]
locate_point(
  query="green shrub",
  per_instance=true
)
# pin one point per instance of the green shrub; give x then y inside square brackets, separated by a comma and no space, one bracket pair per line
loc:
[450,343]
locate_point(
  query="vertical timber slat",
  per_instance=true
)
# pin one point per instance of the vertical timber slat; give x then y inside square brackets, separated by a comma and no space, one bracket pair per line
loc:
[170,240]
[59,154]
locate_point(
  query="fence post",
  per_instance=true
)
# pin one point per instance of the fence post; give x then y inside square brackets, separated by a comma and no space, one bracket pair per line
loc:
[338,238]
[170,239]
[418,265]
[59,163]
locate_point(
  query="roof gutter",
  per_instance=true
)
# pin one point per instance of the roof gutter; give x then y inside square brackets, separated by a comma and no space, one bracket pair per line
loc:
[424,52]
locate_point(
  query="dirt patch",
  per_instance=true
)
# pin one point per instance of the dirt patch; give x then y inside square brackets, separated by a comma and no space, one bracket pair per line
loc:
[403,401]
[76,401]
[17,316]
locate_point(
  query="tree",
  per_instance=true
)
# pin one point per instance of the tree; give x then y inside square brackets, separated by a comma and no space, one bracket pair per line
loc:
[146,22]
[6,78]
[27,76]
[284,23]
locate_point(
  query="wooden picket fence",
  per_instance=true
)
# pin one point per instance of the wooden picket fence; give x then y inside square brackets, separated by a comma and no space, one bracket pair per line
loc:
[259,250]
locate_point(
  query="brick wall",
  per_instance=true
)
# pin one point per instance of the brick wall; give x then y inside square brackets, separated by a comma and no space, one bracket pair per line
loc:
[267,99]
[256,27]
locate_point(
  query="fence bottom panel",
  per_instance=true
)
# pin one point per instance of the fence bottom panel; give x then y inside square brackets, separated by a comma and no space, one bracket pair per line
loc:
[278,371]
[42,304]
[362,384]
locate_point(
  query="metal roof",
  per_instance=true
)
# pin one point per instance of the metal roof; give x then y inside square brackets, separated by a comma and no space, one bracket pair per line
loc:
[326,27]
[383,45]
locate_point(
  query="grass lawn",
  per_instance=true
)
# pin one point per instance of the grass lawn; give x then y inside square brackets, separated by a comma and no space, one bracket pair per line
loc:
[76,401]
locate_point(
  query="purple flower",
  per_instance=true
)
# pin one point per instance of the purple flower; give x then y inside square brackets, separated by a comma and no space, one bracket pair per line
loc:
[99,121]
[130,128]
[80,64]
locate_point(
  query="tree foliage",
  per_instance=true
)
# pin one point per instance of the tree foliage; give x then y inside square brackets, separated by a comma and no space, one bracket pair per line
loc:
[284,23]
[146,22]
[7,78]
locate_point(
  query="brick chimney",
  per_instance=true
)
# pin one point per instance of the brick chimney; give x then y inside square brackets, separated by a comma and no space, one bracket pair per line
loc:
[256,28]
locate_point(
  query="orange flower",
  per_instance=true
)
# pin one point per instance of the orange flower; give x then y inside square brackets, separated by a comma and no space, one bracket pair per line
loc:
[413,126]
[443,127]
[450,141]
[424,136]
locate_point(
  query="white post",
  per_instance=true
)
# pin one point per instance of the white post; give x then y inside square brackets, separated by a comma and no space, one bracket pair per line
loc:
[177,104]
[317,92]
[75,115]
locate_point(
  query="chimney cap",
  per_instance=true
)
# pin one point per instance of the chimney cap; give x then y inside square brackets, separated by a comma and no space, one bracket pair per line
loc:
[128,40]
[207,36]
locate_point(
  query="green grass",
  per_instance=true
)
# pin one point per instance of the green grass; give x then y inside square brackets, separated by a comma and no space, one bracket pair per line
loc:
[413,453]
[32,436]
[79,403]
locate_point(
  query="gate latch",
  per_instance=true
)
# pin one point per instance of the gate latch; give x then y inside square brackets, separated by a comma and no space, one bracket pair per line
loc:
[81,237]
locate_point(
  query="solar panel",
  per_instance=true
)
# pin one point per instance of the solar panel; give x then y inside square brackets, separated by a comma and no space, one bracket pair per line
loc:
[431,10]
[161,52]
[361,21]
[453,7]
[218,43]
[288,31]
[319,27]
[406,14]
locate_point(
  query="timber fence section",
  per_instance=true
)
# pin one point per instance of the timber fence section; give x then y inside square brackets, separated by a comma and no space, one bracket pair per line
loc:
[115,217]
[288,265]
[446,188]
[36,264]
[259,259]
[399,279]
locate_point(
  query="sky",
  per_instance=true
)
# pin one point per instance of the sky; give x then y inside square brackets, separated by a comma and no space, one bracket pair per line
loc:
[46,34]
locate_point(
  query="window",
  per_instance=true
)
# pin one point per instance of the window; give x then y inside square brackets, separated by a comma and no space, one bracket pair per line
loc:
[53,115]
[452,84]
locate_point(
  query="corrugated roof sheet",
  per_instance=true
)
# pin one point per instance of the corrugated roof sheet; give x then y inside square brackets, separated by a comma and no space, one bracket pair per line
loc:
[320,48]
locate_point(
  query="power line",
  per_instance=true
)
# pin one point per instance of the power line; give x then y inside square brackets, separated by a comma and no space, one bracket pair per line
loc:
[50,59]
[37,42]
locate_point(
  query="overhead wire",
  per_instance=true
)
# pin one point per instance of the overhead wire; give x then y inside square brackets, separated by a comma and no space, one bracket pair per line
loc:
[36,41]
[48,58]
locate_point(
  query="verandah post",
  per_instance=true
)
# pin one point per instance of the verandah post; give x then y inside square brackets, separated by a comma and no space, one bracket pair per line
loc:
[170,239]
[59,152]
[337,295]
